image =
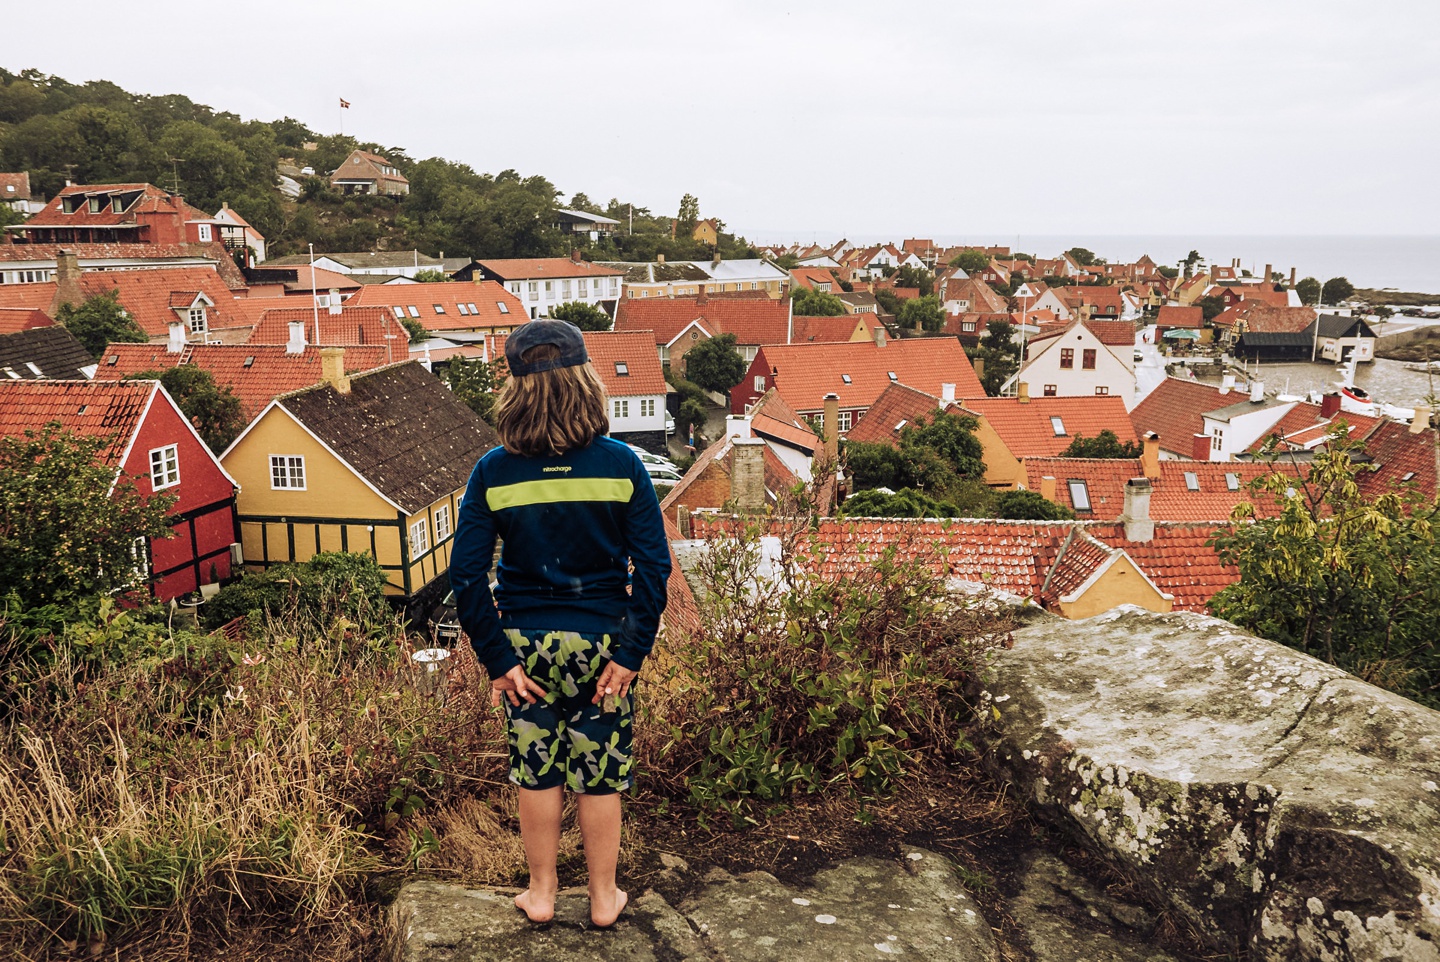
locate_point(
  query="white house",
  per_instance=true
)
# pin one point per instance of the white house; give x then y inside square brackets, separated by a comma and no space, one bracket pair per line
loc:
[1235,427]
[745,274]
[1075,362]
[1049,301]
[634,384]
[237,231]
[543,283]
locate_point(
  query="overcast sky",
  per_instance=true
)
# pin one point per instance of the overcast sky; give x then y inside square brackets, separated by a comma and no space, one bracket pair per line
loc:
[791,119]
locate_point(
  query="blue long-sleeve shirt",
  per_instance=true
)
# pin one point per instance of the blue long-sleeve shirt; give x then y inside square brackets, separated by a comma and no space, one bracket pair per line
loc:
[571,527]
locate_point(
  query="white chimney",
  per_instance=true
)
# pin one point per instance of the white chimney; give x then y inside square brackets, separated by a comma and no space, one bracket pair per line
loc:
[1227,384]
[947,392]
[177,337]
[1138,526]
[737,426]
[1257,391]
[296,344]
[334,301]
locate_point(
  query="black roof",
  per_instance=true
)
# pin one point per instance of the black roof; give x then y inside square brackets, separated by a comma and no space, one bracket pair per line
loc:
[401,429]
[1277,338]
[54,350]
[1338,325]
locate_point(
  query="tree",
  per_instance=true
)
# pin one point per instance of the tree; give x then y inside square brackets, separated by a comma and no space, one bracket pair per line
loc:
[415,329]
[474,383]
[889,301]
[905,503]
[65,533]
[1000,353]
[921,313]
[1337,290]
[1308,290]
[1105,445]
[1169,273]
[1030,506]
[1191,259]
[100,320]
[951,437]
[916,277]
[809,302]
[431,276]
[1350,580]
[587,317]
[1083,257]
[971,261]
[214,410]
[689,216]
[714,364]
[939,455]
[1212,307]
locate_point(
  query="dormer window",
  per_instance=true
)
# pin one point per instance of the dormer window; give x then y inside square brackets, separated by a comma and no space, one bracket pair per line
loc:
[198,322]
[70,204]
[96,203]
[1058,426]
[117,204]
[204,231]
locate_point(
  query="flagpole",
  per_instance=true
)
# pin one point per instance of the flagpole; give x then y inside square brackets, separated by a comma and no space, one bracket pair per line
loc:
[314,298]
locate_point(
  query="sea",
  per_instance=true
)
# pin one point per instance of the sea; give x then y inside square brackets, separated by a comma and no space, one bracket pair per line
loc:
[1398,262]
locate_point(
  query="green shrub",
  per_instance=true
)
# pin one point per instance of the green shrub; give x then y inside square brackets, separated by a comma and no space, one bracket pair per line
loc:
[330,585]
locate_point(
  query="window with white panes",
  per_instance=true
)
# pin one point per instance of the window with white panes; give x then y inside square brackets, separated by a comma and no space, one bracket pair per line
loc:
[565,290]
[582,286]
[620,409]
[197,320]
[844,420]
[442,523]
[419,538]
[164,467]
[647,408]
[549,290]
[287,471]
[533,289]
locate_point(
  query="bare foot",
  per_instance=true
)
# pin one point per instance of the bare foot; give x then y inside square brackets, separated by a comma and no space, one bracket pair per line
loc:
[535,907]
[604,915]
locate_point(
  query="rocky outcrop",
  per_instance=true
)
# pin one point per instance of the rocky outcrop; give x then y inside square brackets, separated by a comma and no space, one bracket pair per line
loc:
[1269,798]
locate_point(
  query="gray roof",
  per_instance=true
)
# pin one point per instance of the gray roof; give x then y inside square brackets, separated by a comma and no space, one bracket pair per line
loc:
[401,429]
[1277,338]
[649,272]
[1339,325]
[583,217]
[54,350]
[1245,406]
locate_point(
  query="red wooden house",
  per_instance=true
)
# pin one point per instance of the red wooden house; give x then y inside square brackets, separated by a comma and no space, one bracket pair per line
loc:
[151,441]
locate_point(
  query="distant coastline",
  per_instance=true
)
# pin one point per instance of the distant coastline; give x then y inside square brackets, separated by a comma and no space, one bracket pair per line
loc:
[1400,262]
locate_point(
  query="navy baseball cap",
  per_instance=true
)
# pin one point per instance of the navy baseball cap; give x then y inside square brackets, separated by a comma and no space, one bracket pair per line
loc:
[561,334]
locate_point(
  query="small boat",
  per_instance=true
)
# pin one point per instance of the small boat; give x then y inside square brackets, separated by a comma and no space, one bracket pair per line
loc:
[1354,400]
[1433,367]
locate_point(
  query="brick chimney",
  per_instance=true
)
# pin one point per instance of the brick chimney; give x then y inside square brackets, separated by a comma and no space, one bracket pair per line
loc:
[1421,420]
[1022,392]
[716,261]
[1292,277]
[1200,447]
[1330,405]
[296,342]
[832,424]
[67,280]
[737,426]
[659,258]
[176,344]
[1047,488]
[332,368]
[1150,456]
[747,475]
[1268,269]
[575,255]
[1138,526]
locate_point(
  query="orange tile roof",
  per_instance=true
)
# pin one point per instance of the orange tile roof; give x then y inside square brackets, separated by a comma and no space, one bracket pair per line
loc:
[1173,316]
[791,434]
[897,406]
[464,306]
[1178,560]
[753,320]
[213,252]
[28,296]
[682,614]
[982,296]
[147,296]
[1080,557]
[633,349]
[1172,498]
[352,327]
[540,268]
[21,184]
[151,198]
[1262,318]
[255,373]
[1104,295]
[88,409]
[1173,410]
[955,323]
[1029,432]
[1404,460]
[829,329]
[805,373]
[324,280]
[14,319]
[1113,333]
[1299,426]
[812,277]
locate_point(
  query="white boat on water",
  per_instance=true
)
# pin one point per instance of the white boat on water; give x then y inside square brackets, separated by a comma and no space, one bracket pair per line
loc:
[1433,367]
[1356,400]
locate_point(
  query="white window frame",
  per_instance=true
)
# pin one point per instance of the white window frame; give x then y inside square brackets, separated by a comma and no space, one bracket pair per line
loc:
[1217,441]
[582,286]
[442,523]
[620,407]
[419,538]
[291,467]
[759,382]
[647,407]
[844,421]
[533,289]
[1079,495]
[164,467]
[197,320]
[504,308]
[205,235]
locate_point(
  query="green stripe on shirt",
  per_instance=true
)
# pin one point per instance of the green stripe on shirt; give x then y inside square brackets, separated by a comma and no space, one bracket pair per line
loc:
[552,490]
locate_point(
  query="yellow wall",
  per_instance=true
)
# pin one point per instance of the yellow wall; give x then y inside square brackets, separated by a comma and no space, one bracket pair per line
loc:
[1121,584]
[705,233]
[1002,469]
[271,520]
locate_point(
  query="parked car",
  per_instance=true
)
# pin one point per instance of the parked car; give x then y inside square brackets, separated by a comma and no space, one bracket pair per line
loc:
[647,458]
[662,475]
[669,424]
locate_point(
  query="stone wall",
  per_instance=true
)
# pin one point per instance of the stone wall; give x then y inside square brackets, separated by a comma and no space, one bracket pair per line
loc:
[1269,798]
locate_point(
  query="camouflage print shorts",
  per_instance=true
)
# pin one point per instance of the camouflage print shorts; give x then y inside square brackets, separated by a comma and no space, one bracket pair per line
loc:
[564,739]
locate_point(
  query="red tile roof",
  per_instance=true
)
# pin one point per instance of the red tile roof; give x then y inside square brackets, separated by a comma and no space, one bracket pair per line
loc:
[982,296]
[1029,432]
[897,406]
[760,320]
[255,373]
[1177,560]
[633,349]
[682,614]
[1299,427]
[1113,333]
[352,327]
[148,296]
[1172,498]
[794,435]
[1081,556]
[955,323]
[21,184]
[28,296]
[1405,460]
[1173,410]
[707,482]
[1172,316]
[86,408]
[151,198]
[465,306]
[98,254]
[13,319]
[1262,318]
[805,373]
[831,330]
[1263,293]
[813,277]
[540,268]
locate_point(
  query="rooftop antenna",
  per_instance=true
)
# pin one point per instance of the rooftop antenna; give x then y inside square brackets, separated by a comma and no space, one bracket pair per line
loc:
[175,174]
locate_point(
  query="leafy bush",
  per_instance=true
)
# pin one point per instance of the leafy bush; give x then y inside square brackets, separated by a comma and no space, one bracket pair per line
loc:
[332,584]
[905,503]
[808,684]
[1030,506]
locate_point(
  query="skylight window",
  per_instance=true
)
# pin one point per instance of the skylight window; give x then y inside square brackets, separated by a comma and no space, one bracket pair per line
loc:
[845,378]
[460,306]
[892,376]
[473,308]
[1407,476]
[1079,495]
[439,308]
[399,311]
[250,361]
[903,422]
[1058,426]
[414,311]
[34,370]
[622,369]
[1192,481]
[1232,481]
[504,308]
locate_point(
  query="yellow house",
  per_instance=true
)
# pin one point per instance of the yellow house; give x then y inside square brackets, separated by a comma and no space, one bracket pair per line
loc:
[706,232]
[375,464]
[1090,577]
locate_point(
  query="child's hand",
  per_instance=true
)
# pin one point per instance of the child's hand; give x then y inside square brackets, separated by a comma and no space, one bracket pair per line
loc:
[615,681]
[516,685]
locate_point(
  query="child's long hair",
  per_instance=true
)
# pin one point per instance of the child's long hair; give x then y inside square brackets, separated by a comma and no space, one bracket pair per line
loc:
[550,412]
